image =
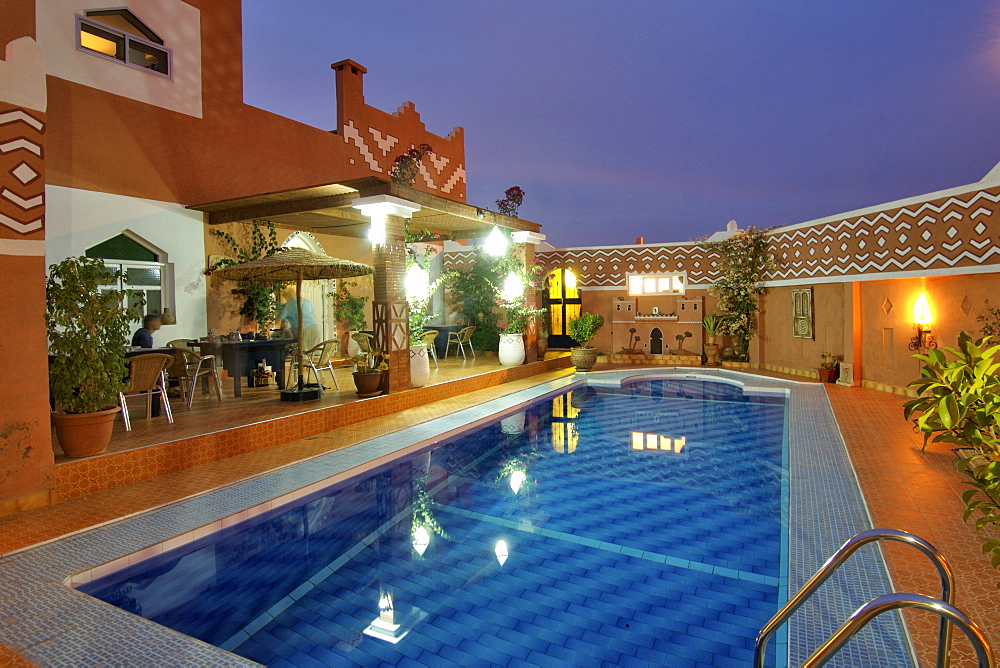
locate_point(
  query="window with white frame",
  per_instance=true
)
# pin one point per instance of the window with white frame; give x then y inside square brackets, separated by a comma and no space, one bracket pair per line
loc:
[656,284]
[143,275]
[118,34]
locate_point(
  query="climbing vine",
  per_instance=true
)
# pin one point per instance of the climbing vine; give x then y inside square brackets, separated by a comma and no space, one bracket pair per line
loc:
[259,302]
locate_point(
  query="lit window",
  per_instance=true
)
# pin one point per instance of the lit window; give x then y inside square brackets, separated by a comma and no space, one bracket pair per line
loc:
[118,34]
[657,284]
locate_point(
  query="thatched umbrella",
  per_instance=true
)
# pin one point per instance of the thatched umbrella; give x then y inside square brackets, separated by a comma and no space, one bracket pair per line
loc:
[295,264]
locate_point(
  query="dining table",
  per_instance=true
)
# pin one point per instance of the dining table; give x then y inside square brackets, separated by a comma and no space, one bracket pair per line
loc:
[240,358]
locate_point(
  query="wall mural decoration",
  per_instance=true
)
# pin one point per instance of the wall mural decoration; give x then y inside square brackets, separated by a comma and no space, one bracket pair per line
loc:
[802,313]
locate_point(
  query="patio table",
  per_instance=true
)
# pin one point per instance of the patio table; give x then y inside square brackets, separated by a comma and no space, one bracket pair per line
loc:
[239,358]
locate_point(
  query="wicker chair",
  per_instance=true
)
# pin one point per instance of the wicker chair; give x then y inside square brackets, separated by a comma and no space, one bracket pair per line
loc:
[189,367]
[363,340]
[461,338]
[179,343]
[428,337]
[323,361]
[146,378]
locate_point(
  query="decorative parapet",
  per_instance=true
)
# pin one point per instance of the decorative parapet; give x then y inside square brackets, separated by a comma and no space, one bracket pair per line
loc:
[951,234]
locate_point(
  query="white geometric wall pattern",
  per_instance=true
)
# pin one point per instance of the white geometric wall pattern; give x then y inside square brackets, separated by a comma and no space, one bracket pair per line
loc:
[458,176]
[439,162]
[949,233]
[384,143]
[351,134]
[22,195]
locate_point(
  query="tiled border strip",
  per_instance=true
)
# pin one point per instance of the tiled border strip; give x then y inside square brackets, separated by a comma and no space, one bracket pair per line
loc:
[85,476]
[55,625]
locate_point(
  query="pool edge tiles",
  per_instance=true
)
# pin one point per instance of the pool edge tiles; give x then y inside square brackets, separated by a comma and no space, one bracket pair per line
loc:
[54,610]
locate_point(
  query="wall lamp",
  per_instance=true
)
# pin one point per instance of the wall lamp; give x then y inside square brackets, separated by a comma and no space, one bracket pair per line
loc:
[923,340]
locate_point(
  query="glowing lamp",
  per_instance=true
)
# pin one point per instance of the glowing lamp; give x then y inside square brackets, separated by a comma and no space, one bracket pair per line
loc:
[496,243]
[421,539]
[501,551]
[922,321]
[570,279]
[377,207]
[417,284]
[513,287]
[517,479]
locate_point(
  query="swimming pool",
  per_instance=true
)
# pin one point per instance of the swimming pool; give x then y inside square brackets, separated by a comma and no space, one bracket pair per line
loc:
[609,549]
[594,526]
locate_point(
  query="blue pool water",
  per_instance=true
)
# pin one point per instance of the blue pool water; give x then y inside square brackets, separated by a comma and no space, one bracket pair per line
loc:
[610,551]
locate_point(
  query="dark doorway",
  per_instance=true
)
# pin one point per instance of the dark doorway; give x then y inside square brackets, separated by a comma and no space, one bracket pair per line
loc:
[562,301]
[656,342]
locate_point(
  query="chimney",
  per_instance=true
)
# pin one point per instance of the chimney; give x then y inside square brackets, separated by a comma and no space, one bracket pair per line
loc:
[350,90]
[640,240]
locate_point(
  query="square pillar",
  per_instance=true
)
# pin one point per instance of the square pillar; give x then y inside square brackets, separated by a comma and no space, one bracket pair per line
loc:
[390,314]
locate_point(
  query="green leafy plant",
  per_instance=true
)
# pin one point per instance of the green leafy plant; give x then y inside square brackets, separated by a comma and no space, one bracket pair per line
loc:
[990,321]
[517,315]
[584,327]
[472,292]
[958,402]
[88,327]
[259,302]
[374,362]
[406,165]
[746,261]
[349,308]
[420,313]
[711,322]
[830,362]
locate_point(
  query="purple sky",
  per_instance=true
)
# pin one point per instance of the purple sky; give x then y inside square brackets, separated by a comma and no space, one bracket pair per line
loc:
[663,118]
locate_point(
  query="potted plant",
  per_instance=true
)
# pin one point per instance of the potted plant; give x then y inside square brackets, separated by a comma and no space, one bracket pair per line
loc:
[350,312]
[829,369]
[582,329]
[368,371]
[542,344]
[418,299]
[711,323]
[517,316]
[88,329]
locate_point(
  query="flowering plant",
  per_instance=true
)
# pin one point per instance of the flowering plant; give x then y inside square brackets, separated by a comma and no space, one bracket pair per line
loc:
[513,197]
[406,165]
[517,315]
[829,362]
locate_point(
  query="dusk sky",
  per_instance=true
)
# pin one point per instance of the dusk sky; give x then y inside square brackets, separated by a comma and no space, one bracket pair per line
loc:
[661,119]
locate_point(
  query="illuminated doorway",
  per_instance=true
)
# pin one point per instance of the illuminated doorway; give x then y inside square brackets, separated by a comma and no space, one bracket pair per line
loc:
[563,303]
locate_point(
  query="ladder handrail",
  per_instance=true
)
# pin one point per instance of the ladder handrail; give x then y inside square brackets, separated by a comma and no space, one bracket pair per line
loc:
[887,602]
[838,559]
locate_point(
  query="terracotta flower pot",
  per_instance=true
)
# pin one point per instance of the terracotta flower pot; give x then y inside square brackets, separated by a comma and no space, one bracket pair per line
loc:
[583,359]
[829,375]
[84,434]
[368,384]
[712,354]
[542,346]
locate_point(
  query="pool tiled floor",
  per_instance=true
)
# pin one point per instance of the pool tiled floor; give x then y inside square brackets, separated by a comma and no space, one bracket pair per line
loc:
[904,489]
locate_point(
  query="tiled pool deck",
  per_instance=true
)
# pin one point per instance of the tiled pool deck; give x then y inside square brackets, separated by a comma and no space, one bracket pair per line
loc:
[40,616]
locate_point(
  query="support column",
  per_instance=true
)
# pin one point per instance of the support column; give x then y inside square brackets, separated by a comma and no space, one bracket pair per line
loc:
[27,464]
[526,256]
[390,313]
[852,328]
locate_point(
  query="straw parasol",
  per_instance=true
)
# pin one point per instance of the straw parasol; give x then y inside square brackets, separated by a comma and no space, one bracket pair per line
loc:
[295,264]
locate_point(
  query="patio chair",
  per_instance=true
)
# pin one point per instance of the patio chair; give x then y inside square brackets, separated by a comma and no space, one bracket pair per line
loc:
[324,361]
[179,343]
[363,340]
[189,367]
[146,377]
[461,338]
[428,338]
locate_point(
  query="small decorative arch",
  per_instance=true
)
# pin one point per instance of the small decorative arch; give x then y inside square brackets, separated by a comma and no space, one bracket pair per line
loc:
[301,239]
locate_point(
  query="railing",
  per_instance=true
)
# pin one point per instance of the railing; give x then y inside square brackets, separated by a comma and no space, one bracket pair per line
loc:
[876,606]
[838,559]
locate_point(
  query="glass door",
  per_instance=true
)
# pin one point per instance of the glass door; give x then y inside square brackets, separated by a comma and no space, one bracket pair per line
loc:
[562,302]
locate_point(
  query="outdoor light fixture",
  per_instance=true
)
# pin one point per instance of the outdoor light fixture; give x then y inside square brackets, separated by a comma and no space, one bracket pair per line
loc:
[570,279]
[377,207]
[517,479]
[496,243]
[922,321]
[417,283]
[513,287]
[501,551]
[421,539]
[525,237]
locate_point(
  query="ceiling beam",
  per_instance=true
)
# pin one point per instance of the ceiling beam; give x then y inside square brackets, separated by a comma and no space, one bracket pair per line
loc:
[274,209]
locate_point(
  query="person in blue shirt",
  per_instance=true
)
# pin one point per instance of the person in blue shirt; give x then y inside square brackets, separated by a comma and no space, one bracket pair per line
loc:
[143,338]
[311,330]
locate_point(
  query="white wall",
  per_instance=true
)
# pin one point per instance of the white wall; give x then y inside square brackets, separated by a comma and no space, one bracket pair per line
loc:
[78,219]
[177,23]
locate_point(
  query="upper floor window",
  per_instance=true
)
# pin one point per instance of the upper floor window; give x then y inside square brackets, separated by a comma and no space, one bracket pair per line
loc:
[119,34]
[656,284]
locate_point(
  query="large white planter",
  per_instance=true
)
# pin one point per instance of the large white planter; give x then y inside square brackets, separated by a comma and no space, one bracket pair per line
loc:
[420,368]
[353,349]
[511,351]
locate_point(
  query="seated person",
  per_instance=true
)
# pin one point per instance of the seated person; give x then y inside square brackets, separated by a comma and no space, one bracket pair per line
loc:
[143,338]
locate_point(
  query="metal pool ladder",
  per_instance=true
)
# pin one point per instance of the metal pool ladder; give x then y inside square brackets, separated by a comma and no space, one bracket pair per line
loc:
[943,607]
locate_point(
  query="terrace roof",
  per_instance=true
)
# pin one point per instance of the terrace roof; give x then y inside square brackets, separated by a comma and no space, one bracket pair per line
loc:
[328,208]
